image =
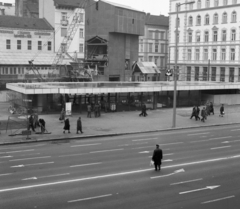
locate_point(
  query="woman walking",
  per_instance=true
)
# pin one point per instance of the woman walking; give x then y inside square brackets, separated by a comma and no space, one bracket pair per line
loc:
[66,126]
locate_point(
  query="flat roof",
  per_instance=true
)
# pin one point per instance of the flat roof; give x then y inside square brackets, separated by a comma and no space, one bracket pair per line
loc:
[116,87]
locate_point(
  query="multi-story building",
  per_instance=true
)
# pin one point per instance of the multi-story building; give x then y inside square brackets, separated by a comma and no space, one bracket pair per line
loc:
[27,8]
[7,9]
[208,40]
[153,46]
[22,40]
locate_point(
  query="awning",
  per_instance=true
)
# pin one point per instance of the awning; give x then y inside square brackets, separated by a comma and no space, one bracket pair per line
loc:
[146,68]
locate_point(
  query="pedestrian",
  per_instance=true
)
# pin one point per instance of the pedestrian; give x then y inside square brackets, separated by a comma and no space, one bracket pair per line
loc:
[96,110]
[222,111]
[66,126]
[89,109]
[30,123]
[35,120]
[203,114]
[197,113]
[194,112]
[157,158]
[142,112]
[145,110]
[42,125]
[211,108]
[99,109]
[79,125]
[62,115]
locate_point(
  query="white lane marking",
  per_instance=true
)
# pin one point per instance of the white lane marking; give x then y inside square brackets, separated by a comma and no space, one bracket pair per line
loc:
[70,155]
[86,145]
[41,177]
[227,142]
[29,154]
[33,158]
[184,182]
[225,137]
[216,200]
[144,152]
[201,189]
[220,147]
[235,130]
[137,140]
[6,174]
[169,160]
[73,166]
[168,154]
[90,198]
[111,150]
[198,134]
[117,174]
[30,150]
[21,166]
[175,172]
[40,145]
[6,156]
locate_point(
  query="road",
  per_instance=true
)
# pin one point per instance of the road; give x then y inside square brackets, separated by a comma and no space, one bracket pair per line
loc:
[200,170]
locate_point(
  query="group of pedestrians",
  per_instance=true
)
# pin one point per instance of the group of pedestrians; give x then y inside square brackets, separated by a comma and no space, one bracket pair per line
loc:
[205,112]
[34,123]
[144,111]
[96,108]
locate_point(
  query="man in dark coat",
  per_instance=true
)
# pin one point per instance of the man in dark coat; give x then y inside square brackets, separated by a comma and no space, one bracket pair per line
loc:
[157,157]
[30,123]
[42,125]
[221,111]
[79,125]
[194,112]
[203,114]
[66,126]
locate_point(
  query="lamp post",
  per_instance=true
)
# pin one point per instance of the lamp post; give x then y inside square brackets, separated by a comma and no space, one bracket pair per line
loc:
[176,61]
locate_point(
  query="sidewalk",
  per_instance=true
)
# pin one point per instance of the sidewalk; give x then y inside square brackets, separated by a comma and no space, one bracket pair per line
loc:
[117,123]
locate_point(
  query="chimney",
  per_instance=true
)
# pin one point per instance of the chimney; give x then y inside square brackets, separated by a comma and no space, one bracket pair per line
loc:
[2,11]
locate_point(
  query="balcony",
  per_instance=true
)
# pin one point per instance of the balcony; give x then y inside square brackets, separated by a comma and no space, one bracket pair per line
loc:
[64,22]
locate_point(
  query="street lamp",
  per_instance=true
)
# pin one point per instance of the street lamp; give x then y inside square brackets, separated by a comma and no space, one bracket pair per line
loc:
[176,60]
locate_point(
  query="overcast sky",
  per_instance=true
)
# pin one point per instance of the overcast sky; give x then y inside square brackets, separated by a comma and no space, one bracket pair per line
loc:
[155,7]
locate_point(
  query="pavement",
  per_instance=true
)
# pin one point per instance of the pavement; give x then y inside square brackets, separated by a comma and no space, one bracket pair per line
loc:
[110,124]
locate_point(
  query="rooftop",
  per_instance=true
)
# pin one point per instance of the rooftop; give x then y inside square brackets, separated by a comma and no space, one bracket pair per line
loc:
[120,5]
[160,20]
[71,3]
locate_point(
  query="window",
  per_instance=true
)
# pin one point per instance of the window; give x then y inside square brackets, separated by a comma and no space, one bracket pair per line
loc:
[216,2]
[224,18]
[63,32]
[150,34]
[233,35]
[64,15]
[225,2]
[150,58]
[215,19]
[232,55]
[198,36]
[213,77]
[206,36]
[231,74]
[190,6]
[63,47]
[205,72]
[189,37]
[29,45]
[162,35]
[162,48]
[224,35]
[39,45]
[223,54]
[81,33]
[189,54]
[234,17]
[188,73]
[156,47]
[215,36]
[197,54]
[214,54]
[207,3]
[190,21]
[199,4]
[198,20]
[19,44]
[141,47]
[156,34]
[205,54]
[49,45]
[162,61]
[234,1]
[196,73]
[81,48]
[156,60]
[81,17]
[222,74]
[150,47]
[8,44]
[207,20]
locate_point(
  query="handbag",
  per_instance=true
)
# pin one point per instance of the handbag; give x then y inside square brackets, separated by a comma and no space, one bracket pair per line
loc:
[151,162]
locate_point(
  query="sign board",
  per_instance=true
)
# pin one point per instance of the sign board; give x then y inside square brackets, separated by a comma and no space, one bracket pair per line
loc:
[68,108]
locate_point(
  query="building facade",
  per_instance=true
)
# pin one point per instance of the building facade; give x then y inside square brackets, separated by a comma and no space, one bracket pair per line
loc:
[208,40]
[153,46]
[23,40]
[7,9]
[27,8]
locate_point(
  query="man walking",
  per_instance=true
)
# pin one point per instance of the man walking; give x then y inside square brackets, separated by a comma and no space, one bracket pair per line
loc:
[221,111]
[157,158]
[79,125]
[89,109]
[203,114]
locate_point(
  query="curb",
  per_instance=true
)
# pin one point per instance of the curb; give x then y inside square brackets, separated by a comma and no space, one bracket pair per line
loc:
[116,134]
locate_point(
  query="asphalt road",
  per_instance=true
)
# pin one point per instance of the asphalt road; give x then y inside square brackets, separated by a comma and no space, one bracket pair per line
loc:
[200,170]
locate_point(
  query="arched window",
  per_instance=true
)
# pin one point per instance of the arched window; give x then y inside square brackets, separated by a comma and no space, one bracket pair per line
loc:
[190,21]
[215,19]
[233,34]
[198,36]
[198,20]
[207,3]
[178,8]
[224,17]
[225,2]
[234,17]
[224,35]
[199,4]
[207,20]
[216,2]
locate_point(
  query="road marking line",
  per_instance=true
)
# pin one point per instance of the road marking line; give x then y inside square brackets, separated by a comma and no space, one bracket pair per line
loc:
[6,156]
[224,198]
[116,174]
[183,182]
[112,150]
[90,198]
[201,189]
[168,154]
[6,174]
[30,150]
[30,158]
[23,147]
[198,134]
[20,166]
[170,174]
[220,147]
[70,155]
[85,145]
[73,166]
[235,130]
[136,140]
[41,177]
[225,137]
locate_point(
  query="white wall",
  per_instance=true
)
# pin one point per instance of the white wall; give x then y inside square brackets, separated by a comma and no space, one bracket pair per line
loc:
[47,11]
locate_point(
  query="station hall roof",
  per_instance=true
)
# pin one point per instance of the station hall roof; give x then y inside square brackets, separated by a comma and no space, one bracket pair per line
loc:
[160,20]
[115,87]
